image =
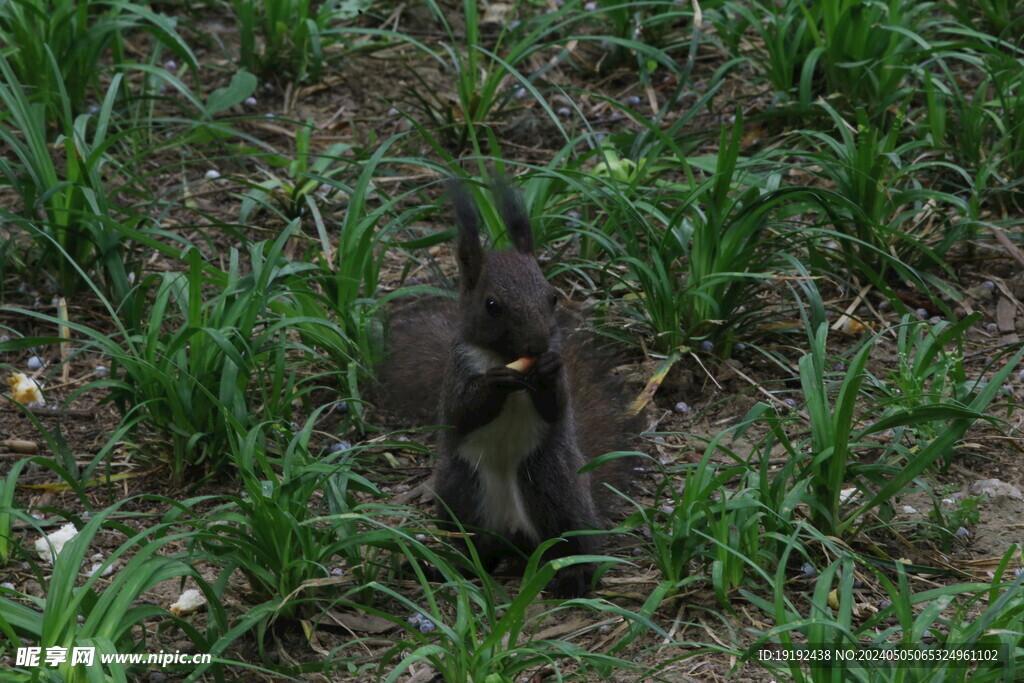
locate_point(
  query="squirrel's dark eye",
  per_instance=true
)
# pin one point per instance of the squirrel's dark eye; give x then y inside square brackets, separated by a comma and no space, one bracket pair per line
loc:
[554,300]
[493,308]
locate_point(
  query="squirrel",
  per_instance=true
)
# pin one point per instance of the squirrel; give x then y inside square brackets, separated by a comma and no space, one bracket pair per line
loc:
[516,438]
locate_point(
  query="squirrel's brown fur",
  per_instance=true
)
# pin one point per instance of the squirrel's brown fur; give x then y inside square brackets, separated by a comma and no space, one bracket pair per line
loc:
[508,461]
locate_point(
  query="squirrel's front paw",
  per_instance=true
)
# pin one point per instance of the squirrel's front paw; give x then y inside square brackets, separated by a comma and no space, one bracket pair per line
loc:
[503,376]
[548,363]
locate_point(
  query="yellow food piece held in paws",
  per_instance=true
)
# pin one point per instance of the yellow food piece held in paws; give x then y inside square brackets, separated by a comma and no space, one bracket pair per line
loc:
[523,364]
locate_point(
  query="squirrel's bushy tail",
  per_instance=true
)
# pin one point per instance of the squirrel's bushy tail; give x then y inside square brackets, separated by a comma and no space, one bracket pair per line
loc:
[598,395]
[419,339]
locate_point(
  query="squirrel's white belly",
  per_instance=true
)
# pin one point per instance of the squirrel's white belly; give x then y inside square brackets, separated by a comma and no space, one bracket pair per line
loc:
[495,452]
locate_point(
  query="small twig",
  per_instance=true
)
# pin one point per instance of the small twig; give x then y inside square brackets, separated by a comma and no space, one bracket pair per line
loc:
[704,368]
[1011,248]
[841,322]
[56,411]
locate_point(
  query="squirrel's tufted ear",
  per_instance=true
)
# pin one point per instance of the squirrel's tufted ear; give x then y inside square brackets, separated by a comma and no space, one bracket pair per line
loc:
[513,214]
[470,253]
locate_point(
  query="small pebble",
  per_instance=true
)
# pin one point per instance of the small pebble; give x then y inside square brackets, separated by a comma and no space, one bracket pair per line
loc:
[604,629]
[35,362]
[991,328]
[707,345]
[682,408]
[339,446]
[212,174]
[156,677]
[415,619]
[8,585]
[590,6]
[791,402]
[520,93]
[857,584]
[633,100]
[808,571]
[922,313]
[884,305]
[908,510]
[1020,375]
[740,347]
[936,319]
[101,371]
[883,604]
[392,111]
[426,626]
[564,112]
[989,285]
[422,538]
[667,509]
[250,101]
[962,533]
[342,408]
[337,571]
[1018,572]
[171,65]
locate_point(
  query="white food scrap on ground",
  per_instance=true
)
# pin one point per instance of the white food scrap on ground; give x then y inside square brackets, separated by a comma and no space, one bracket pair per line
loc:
[188,602]
[57,539]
